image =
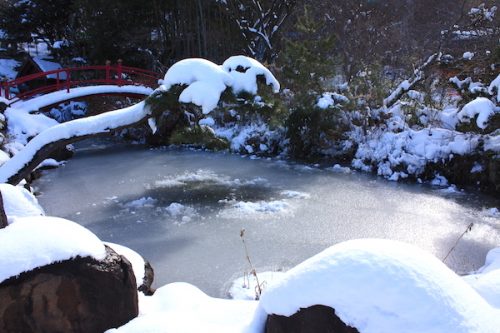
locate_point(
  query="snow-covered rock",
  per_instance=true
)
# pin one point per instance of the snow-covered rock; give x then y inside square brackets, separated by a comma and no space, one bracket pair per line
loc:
[31,242]
[383,286]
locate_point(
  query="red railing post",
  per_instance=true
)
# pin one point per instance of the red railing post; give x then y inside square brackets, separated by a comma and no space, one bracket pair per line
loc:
[108,63]
[68,80]
[7,90]
[119,72]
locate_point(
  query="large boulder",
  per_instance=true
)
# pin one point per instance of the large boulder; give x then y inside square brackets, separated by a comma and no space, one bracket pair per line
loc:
[314,319]
[78,295]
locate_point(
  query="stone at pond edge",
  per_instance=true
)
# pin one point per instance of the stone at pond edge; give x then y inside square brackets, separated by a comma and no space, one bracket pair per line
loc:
[147,280]
[79,295]
[314,319]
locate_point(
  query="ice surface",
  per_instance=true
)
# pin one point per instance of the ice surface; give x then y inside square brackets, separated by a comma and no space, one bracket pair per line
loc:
[207,251]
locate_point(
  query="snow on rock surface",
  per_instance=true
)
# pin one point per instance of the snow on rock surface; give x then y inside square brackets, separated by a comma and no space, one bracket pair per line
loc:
[135,259]
[183,308]
[383,286]
[481,107]
[18,202]
[31,242]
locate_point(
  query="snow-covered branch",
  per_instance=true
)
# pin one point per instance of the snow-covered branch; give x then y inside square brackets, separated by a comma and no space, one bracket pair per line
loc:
[406,85]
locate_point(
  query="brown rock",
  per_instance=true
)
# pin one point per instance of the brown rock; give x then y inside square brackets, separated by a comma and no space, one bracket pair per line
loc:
[315,319]
[79,295]
[147,280]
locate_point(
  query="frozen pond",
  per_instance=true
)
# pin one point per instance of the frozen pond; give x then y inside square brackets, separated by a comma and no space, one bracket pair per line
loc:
[183,211]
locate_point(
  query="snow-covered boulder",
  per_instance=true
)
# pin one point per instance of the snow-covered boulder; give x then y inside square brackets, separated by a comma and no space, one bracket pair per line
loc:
[56,276]
[383,286]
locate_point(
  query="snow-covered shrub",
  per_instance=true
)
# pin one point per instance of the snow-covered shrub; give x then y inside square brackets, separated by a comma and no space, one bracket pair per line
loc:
[199,100]
[68,111]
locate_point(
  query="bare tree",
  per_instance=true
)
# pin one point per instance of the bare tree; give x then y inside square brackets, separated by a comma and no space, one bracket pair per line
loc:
[259,22]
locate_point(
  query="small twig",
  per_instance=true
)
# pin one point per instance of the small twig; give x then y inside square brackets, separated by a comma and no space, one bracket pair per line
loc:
[469,228]
[258,288]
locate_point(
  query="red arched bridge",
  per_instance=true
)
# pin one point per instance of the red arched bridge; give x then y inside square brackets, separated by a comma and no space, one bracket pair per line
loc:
[64,79]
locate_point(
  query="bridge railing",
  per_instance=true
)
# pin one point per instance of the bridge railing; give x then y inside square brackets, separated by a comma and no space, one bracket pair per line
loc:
[66,78]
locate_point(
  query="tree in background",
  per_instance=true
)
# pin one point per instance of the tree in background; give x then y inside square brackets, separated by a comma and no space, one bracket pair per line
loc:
[46,20]
[260,23]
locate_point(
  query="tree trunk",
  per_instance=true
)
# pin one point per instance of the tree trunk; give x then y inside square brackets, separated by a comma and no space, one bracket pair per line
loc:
[3,216]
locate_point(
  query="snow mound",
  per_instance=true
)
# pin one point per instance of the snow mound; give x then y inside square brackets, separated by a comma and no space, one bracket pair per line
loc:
[31,242]
[481,107]
[244,71]
[486,281]
[19,202]
[183,308]
[383,286]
